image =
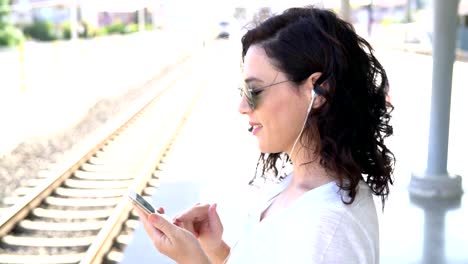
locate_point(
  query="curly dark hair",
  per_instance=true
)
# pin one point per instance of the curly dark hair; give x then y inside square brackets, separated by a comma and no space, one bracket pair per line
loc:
[349,129]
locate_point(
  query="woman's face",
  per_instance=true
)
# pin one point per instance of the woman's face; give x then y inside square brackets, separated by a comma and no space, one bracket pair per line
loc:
[280,110]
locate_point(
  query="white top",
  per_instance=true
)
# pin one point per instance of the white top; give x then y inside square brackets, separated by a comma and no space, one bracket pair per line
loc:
[317,228]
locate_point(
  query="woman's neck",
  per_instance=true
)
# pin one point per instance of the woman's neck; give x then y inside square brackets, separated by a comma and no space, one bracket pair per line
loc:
[308,173]
[304,178]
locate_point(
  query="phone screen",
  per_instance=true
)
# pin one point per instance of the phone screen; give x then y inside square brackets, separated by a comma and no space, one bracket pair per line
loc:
[141,202]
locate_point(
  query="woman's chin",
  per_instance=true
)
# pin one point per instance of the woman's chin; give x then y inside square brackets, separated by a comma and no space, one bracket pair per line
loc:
[262,148]
[265,148]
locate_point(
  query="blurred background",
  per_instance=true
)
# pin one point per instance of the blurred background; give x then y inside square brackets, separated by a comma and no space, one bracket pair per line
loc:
[68,67]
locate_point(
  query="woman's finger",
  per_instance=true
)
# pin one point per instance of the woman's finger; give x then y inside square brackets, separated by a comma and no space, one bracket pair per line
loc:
[140,213]
[160,210]
[152,232]
[162,225]
[189,226]
[198,212]
[213,214]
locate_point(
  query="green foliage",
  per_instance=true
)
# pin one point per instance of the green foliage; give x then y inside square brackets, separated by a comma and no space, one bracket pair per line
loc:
[119,28]
[85,30]
[116,27]
[131,28]
[41,30]
[149,26]
[10,36]
[388,21]
[88,30]
[66,30]
[4,13]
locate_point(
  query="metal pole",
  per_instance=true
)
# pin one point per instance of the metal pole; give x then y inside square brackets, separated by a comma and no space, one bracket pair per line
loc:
[74,19]
[445,24]
[436,181]
[141,19]
[408,17]
[345,10]
[434,231]
[154,16]
[22,67]
[433,251]
[370,19]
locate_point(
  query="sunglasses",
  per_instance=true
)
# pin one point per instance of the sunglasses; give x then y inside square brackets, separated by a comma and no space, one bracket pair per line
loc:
[252,94]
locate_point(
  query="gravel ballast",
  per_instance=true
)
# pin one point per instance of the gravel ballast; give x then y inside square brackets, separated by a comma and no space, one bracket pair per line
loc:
[35,154]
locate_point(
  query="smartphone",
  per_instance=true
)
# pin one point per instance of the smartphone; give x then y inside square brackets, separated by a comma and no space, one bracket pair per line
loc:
[140,202]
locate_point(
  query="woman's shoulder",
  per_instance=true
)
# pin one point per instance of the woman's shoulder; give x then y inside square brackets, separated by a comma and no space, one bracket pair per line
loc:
[329,198]
[325,212]
[335,229]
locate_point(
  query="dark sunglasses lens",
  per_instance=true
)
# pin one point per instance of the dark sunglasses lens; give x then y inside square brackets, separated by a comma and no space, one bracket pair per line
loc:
[250,98]
[241,90]
[245,91]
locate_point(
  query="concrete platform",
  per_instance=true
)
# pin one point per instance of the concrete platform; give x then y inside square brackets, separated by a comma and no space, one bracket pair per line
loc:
[214,158]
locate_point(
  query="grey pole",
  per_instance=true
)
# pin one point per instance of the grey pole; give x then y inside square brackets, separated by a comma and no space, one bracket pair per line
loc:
[443,58]
[408,11]
[141,19]
[436,181]
[435,210]
[434,232]
[155,16]
[74,19]
[345,10]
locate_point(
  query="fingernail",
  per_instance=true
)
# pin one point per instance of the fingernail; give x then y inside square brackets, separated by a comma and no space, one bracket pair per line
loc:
[212,208]
[153,218]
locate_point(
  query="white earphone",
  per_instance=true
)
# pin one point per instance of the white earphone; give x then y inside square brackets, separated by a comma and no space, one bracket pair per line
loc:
[313,94]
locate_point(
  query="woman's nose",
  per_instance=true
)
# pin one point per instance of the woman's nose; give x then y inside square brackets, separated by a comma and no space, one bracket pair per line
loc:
[244,107]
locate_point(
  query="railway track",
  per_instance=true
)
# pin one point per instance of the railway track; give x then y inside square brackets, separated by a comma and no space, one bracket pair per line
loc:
[76,212]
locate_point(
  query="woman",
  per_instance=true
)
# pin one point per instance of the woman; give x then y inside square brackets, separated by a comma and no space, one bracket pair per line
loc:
[315,96]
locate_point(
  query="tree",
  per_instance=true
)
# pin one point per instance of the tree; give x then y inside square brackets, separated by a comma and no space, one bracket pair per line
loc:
[9,35]
[240,13]
[262,15]
[4,13]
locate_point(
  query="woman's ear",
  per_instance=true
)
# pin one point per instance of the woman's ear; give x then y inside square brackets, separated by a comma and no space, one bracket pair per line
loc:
[313,78]
[310,83]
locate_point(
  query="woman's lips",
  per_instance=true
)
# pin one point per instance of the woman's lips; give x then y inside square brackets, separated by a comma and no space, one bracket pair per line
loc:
[256,129]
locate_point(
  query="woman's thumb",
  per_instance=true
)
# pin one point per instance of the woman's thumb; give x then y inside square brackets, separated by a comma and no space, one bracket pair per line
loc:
[213,214]
[161,223]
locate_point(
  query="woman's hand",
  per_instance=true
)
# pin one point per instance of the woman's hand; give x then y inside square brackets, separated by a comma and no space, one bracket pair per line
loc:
[171,240]
[204,223]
